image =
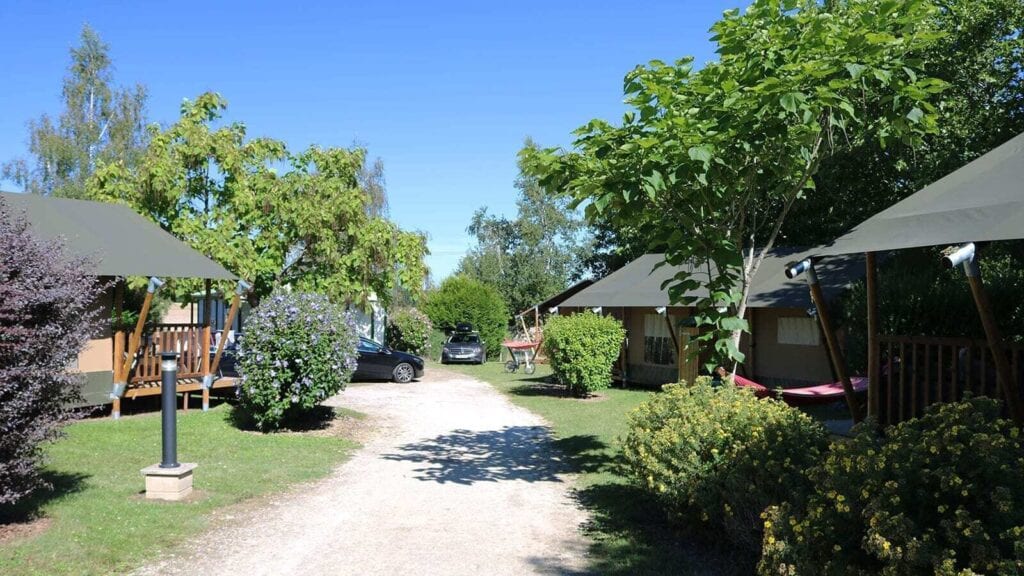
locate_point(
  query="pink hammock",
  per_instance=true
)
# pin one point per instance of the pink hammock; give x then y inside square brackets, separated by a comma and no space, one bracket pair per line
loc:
[820,394]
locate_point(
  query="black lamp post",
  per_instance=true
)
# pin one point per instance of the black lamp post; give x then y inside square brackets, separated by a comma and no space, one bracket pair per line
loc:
[169,408]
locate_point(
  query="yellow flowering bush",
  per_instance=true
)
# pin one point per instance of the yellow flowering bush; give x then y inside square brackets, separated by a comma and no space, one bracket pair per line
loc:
[942,494]
[718,456]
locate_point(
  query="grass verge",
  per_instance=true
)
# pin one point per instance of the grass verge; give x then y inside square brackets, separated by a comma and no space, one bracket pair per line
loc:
[629,531]
[99,521]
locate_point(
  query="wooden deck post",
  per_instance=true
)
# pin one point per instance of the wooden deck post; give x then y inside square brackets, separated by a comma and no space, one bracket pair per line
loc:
[205,345]
[838,360]
[115,409]
[874,368]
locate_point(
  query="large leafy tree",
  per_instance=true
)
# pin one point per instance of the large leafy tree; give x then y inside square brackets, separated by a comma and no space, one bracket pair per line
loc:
[100,123]
[981,58]
[533,256]
[709,163]
[315,226]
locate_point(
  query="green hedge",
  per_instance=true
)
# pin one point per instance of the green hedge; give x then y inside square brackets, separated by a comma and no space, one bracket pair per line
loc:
[464,299]
[942,494]
[409,330]
[716,457]
[582,349]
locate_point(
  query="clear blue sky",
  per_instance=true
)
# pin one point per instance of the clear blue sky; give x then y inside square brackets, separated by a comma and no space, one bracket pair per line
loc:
[444,94]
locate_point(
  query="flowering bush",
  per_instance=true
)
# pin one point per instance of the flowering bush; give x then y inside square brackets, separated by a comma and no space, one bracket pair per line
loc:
[46,318]
[942,494]
[720,456]
[298,350]
[409,330]
[582,349]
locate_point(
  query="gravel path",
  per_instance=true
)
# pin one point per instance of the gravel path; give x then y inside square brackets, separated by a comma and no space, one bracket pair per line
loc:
[456,480]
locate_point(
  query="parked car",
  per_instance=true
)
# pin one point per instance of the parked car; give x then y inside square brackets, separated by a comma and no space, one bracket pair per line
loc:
[378,362]
[464,347]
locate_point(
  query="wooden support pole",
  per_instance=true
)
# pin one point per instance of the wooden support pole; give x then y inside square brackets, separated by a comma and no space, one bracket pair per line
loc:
[995,342]
[115,409]
[228,322]
[205,351]
[874,368]
[838,360]
[136,338]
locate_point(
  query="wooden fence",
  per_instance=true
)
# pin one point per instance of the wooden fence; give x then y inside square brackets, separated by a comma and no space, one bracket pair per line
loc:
[918,371]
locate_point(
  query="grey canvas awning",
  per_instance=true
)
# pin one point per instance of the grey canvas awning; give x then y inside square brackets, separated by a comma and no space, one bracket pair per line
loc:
[558,298]
[983,201]
[635,284]
[117,240]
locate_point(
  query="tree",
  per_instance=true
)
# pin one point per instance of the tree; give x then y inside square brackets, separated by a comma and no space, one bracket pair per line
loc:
[315,227]
[709,163]
[99,124]
[46,318]
[980,58]
[533,256]
[461,299]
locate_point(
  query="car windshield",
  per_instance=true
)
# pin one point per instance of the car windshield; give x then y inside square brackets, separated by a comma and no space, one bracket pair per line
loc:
[464,338]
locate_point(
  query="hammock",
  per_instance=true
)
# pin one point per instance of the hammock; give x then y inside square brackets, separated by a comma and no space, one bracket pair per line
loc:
[820,394]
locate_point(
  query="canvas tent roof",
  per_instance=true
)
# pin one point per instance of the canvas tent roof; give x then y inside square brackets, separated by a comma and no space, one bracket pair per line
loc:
[983,201]
[119,241]
[636,285]
[558,298]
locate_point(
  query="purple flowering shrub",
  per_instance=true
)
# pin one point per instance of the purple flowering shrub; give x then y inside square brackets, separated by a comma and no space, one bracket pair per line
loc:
[941,494]
[46,318]
[298,350]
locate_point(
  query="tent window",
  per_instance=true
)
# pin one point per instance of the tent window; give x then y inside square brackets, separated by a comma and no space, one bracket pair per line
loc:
[799,331]
[657,341]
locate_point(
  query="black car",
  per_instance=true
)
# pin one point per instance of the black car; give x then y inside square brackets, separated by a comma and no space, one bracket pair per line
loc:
[464,347]
[378,362]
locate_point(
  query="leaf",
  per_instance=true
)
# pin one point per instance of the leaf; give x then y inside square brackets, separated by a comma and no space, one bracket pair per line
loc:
[915,115]
[855,70]
[791,100]
[701,153]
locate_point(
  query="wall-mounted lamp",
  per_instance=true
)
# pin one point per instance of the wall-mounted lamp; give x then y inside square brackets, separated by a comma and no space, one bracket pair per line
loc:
[596,309]
[661,310]
[553,310]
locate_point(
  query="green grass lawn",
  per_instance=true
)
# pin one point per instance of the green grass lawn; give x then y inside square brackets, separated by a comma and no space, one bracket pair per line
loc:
[100,523]
[629,531]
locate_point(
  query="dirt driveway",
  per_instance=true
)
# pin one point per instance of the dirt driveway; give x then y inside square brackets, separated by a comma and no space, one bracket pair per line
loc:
[456,480]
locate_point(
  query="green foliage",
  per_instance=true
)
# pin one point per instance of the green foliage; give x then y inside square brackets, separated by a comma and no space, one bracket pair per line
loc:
[409,330]
[942,494]
[316,227]
[582,349]
[708,163]
[719,456]
[463,299]
[99,123]
[298,350]
[532,257]
[979,57]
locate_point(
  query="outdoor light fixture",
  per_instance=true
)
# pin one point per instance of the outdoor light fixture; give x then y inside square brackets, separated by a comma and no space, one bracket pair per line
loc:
[242,288]
[957,255]
[794,269]
[812,312]
[661,310]
[596,309]
[154,284]
[553,310]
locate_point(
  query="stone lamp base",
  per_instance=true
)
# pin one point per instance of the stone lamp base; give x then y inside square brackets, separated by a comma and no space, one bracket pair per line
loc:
[168,483]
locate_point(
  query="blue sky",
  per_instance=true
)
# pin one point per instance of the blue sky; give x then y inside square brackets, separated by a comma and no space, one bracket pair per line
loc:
[444,93]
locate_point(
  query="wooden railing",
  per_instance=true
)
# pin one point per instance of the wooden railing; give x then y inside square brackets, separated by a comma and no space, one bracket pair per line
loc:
[918,371]
[190,341]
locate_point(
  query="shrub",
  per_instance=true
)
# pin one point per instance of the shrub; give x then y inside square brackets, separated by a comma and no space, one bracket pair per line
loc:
[582,349]
[409,330]
[46,318]
[464,299]
[942,494]
[298,350]
[720,456]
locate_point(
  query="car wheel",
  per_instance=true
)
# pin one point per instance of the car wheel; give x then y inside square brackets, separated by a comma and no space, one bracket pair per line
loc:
[403,373]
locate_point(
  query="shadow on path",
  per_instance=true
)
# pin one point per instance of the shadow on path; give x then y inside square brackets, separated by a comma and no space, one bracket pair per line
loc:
[511,453]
